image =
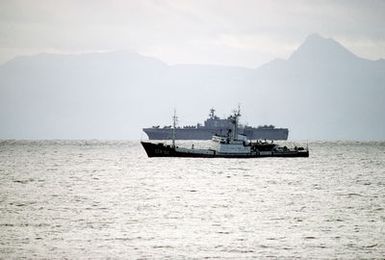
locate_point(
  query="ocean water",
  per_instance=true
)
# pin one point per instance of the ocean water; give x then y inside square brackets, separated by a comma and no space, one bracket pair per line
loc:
[101,199]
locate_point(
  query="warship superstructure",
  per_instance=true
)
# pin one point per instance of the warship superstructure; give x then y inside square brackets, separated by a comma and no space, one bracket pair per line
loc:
[215,125]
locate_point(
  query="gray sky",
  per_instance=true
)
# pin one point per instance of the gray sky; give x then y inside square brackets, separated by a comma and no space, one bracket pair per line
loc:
[243,32]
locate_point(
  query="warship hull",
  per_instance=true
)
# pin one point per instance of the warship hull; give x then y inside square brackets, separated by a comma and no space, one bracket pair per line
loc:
[162,150]
[206,134]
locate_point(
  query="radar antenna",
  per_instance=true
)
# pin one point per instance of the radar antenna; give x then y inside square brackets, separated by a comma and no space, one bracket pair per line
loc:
[212,113]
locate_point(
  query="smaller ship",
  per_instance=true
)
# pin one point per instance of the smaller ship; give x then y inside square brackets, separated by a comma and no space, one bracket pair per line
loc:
[230,145]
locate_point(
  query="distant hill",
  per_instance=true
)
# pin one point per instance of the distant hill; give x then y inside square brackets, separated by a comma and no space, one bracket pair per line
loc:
[323,91]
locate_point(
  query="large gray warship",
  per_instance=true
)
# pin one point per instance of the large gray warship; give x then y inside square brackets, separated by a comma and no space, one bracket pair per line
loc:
[215,125]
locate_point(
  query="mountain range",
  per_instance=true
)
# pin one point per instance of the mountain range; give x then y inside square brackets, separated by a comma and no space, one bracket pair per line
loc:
[321,92]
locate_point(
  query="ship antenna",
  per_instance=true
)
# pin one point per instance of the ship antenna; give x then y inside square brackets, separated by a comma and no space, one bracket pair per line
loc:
[174,119]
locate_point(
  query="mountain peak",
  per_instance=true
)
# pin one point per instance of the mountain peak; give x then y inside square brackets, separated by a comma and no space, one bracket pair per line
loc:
[315,37]
[318,49]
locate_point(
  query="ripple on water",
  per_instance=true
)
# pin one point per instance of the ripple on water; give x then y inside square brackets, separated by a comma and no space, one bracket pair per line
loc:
[106,199]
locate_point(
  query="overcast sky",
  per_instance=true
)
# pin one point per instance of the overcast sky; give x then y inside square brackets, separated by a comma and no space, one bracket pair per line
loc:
[238,32]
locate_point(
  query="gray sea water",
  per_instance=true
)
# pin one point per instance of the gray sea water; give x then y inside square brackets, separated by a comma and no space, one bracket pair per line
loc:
[96,199]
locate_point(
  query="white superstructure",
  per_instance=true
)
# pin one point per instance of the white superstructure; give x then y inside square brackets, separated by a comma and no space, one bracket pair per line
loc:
[233,143]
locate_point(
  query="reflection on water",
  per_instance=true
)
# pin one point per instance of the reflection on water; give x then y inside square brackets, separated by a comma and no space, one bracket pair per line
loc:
[91,199]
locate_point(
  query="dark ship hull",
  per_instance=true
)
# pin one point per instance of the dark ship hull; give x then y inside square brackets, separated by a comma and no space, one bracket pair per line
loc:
[162,150]
[206,134]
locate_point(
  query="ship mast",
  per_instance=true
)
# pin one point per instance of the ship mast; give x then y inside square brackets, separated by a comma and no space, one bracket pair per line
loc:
[234,118]
[237,114]
[174,119]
